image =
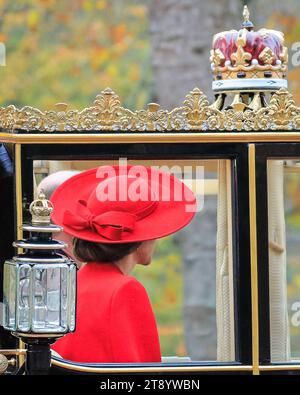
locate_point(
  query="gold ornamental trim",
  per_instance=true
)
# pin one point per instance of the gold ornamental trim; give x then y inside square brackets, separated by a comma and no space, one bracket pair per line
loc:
[196,114]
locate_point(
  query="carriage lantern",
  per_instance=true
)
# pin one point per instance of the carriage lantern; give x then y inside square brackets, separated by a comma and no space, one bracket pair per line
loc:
[39,287]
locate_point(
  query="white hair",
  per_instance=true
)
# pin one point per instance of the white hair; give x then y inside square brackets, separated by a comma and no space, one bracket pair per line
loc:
[54,180]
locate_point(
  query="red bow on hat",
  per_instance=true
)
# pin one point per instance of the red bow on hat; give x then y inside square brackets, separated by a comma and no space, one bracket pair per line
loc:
[110,224]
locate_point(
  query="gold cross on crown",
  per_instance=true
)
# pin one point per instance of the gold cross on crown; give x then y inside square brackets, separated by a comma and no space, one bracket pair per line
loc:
[246,14]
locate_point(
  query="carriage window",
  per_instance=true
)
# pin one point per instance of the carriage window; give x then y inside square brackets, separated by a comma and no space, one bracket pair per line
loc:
[284,258]
[190,279]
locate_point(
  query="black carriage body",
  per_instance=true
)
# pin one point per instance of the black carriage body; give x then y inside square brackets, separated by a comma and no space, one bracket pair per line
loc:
[250,226]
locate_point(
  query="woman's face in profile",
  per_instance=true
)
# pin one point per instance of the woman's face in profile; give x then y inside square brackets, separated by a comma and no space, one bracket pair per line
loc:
[145,252]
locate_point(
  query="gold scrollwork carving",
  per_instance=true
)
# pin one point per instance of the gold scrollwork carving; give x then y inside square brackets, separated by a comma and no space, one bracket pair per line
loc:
[196,114]
[282,111]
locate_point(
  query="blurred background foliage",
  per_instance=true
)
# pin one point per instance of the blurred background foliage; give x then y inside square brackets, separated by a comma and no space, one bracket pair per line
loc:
[71,50]
[290,25]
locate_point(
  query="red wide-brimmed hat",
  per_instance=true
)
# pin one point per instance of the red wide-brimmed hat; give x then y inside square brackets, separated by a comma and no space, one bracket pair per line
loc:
[122,204]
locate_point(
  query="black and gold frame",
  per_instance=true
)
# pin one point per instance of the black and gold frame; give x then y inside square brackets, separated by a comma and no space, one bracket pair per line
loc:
[194,131]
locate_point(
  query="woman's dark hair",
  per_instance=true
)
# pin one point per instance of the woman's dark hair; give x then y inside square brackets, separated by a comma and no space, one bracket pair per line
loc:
[88,251]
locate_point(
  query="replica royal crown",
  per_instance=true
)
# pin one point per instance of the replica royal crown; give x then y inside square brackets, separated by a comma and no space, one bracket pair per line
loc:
[248,60]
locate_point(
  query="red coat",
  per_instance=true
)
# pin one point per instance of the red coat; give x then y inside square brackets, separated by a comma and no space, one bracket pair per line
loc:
[115,321]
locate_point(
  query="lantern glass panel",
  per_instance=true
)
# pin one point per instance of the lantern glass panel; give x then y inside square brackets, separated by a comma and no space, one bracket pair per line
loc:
[9,296]
[72,304]
[39,298]
[24,297]
[50,298]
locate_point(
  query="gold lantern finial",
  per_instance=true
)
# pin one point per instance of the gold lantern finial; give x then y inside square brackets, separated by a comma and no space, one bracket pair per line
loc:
[41,209]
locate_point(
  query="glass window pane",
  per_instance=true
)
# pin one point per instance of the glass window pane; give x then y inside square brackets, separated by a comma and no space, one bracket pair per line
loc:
[284,254]
[190,279]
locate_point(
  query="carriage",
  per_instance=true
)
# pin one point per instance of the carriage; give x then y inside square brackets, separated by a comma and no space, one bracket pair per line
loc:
[247,143]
